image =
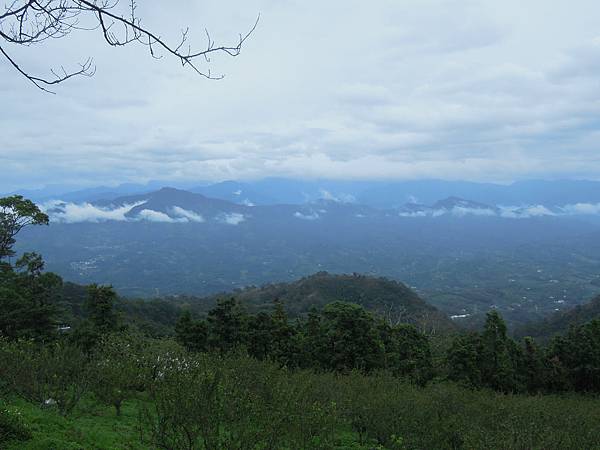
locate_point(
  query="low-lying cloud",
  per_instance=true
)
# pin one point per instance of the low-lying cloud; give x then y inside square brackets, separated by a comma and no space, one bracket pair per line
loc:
[65,212]
[232,218]
[190,216]
[156,216]
[339,198]
[510,212]
[311,216]
[86,212]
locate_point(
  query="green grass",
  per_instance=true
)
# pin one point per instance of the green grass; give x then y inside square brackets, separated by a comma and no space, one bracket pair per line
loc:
[96,427]
[440,416]
[91,426]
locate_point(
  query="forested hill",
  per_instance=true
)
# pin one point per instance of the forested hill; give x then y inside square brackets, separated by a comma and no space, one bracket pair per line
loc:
[387,298]
[390,299]
[561,321]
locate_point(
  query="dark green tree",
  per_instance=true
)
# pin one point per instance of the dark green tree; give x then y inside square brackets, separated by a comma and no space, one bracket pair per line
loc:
[28,300]
[16,213]
[462,360]
[100,308]
[497,357]
[260,335]
[312,341]
[532,368]
[101,317]
[285,348]
[351,338]
[226,325]
[577,356]
[192,334]
[407,352]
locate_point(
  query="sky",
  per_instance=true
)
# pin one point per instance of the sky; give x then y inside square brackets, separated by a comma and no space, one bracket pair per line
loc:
[386,89]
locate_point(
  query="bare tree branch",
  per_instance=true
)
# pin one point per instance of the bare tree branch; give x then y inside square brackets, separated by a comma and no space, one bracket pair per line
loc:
[29,22]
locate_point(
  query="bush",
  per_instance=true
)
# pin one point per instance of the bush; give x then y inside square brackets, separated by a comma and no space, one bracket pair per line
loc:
[52,375]
[236,402]
[12,425]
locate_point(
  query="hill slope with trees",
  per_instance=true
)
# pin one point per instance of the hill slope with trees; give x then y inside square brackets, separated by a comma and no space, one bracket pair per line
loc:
[392,300]
[561,321]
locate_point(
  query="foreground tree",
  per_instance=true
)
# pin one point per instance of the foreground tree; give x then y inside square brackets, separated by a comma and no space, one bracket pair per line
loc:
[101,318]
[575,357]
[24,23]
[192,334]
[351,339]
[16,213]
[226,325]
[28,296]
[498,355]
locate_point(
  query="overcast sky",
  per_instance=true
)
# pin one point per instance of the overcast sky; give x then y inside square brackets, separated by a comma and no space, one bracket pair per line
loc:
[399,89]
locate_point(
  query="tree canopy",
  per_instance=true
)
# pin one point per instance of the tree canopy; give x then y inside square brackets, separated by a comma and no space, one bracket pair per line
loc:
[16,213]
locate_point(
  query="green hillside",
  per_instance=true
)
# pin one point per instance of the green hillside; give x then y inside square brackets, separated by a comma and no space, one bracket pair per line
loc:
[561,321]
[390,299]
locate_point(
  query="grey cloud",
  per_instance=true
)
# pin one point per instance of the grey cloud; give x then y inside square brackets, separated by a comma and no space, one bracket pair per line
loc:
[432,88]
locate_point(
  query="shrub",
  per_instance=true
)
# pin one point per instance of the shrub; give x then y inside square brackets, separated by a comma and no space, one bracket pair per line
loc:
[12,425]
[52,375]
[236,402]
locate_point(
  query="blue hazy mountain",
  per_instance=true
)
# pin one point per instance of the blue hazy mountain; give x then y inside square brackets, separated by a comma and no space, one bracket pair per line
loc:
[396,194]
[462,255]
[379,194]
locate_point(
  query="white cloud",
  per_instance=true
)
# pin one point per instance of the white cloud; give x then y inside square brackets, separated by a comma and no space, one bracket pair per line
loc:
[415,214]
[311,216]
[582,209]
[85,212]
[189,215]
[156,216]
[339,198]
[525,212]
[461,211]
[232,218]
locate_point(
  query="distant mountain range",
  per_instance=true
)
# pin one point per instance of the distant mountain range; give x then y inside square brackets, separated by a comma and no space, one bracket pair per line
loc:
[172,205]
[378,194]
[463,255]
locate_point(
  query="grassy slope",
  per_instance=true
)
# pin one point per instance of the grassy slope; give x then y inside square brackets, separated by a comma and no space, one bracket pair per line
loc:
[90,427]
[96,427]
[434,417]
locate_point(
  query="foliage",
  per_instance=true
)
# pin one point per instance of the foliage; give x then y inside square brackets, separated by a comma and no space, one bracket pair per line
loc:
[29,300]
[560,322]
[341,338]
[16,213]
[214,401]
[54,375]
[578,355]
[116,369]
[235,380]
[12,425]
[234,403]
